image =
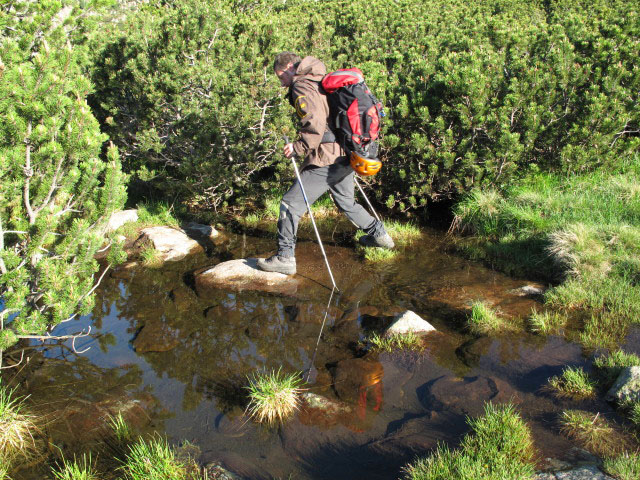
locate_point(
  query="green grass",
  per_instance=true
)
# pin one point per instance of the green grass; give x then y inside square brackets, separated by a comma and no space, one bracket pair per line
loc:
[403,234]
[609,366]
[151,214]
[151,258]
[573,383]
[120,428]
[594,433]
[547,323]
[153,460]
[395,342]
[483,320]
[17,428]
[81,469]
[499,447]
[583,230]
[623,467]
[634,413]
[273,396]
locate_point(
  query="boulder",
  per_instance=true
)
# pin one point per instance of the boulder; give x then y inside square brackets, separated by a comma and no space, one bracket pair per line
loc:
[173,244]
[118,219]
[627,386]
[197,230]
[409,322]
[243,274]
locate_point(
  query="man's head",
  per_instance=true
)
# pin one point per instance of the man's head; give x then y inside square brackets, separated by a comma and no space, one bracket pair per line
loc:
[285,65]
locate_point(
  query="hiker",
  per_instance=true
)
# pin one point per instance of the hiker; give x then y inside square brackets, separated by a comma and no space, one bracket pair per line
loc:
[325,166]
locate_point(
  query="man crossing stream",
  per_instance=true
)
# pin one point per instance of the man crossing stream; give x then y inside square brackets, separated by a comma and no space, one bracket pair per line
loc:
[325,166]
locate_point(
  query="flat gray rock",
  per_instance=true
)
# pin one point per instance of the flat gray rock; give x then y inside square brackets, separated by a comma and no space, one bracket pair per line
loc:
[590,472]
[118,219]
[173,244]
[627,386]
[409,322]
[243,274]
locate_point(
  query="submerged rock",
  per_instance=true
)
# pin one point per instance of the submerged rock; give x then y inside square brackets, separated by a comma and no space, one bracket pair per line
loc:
[243,274]
[355,377]
[173,244]
[466,395]
[118,219]
[329,407]
[215,471]
[627,386]
[156,336]
[529,291]
[409,322]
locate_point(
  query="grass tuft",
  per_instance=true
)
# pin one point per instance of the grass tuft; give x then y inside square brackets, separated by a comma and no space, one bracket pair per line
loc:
[483,320]
[593,432]
[623,467]
[17,429]
[573,383]
[152,460]
[609,366]
[151,258]
[77,470]
[396,341]
[499,447]
[273,397]
[121,428]
[547,323]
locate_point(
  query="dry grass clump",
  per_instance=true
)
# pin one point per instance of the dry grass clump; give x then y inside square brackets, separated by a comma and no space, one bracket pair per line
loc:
[594,433]
[273,397]
[17,428]
[573,383]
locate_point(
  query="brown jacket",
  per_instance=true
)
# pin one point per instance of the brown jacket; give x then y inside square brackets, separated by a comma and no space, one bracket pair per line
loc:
[313,112]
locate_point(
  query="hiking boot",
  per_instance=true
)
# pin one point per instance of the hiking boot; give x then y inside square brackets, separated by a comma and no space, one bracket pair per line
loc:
[276,263]
[382,241]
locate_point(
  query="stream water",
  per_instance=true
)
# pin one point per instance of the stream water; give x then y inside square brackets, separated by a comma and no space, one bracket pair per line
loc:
[176,362]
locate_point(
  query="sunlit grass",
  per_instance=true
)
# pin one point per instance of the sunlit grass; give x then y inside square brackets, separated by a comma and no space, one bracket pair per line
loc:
[151,214]
[484,320]
[152,460]
[609,366]
[78,469]
[593,432]
[395,342]
[583,230]
[547,323]
[499,447]
[403,234]
[623,467]
[273,396]
[573,383]
[17,428]
[120,428]
[151,258]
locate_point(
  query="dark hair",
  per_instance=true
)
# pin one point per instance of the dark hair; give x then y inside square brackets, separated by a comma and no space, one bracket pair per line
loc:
[285,58]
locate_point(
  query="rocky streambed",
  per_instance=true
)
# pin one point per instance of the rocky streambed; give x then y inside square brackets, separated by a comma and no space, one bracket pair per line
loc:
[171,348]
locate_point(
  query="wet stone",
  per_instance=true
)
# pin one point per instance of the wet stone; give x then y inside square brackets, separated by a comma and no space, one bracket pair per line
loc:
[529,291]
[627,387]
[590,472]
[215,471]
[183,297]
[243,274]
[156,336]
[409,322]
[173,244]
[467,395]
[199,230]
[330,407]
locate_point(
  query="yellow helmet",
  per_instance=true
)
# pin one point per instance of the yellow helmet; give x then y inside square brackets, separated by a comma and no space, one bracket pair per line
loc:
[365,166]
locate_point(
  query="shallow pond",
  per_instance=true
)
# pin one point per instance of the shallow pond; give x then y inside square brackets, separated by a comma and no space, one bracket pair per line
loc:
[177,363]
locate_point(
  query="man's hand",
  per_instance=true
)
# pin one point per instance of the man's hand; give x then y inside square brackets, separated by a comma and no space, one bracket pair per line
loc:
[288,150]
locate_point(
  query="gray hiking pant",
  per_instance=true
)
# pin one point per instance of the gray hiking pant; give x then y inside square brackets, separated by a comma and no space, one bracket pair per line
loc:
[338,179]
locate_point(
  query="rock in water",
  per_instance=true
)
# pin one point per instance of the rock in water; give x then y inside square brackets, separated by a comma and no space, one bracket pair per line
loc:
[409,322]
[173,244]
[243,274]
[627,386]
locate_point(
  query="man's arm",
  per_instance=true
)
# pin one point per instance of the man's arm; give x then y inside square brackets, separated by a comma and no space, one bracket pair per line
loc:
[312,112]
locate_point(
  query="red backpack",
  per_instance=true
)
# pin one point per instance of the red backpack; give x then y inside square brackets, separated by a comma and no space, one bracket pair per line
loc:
[355,115]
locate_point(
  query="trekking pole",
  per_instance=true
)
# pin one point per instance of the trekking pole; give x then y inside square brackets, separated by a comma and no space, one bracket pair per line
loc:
[306,200]
[355,179]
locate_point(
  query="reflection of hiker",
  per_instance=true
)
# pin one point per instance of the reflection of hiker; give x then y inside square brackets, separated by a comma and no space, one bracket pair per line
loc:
[325,166]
